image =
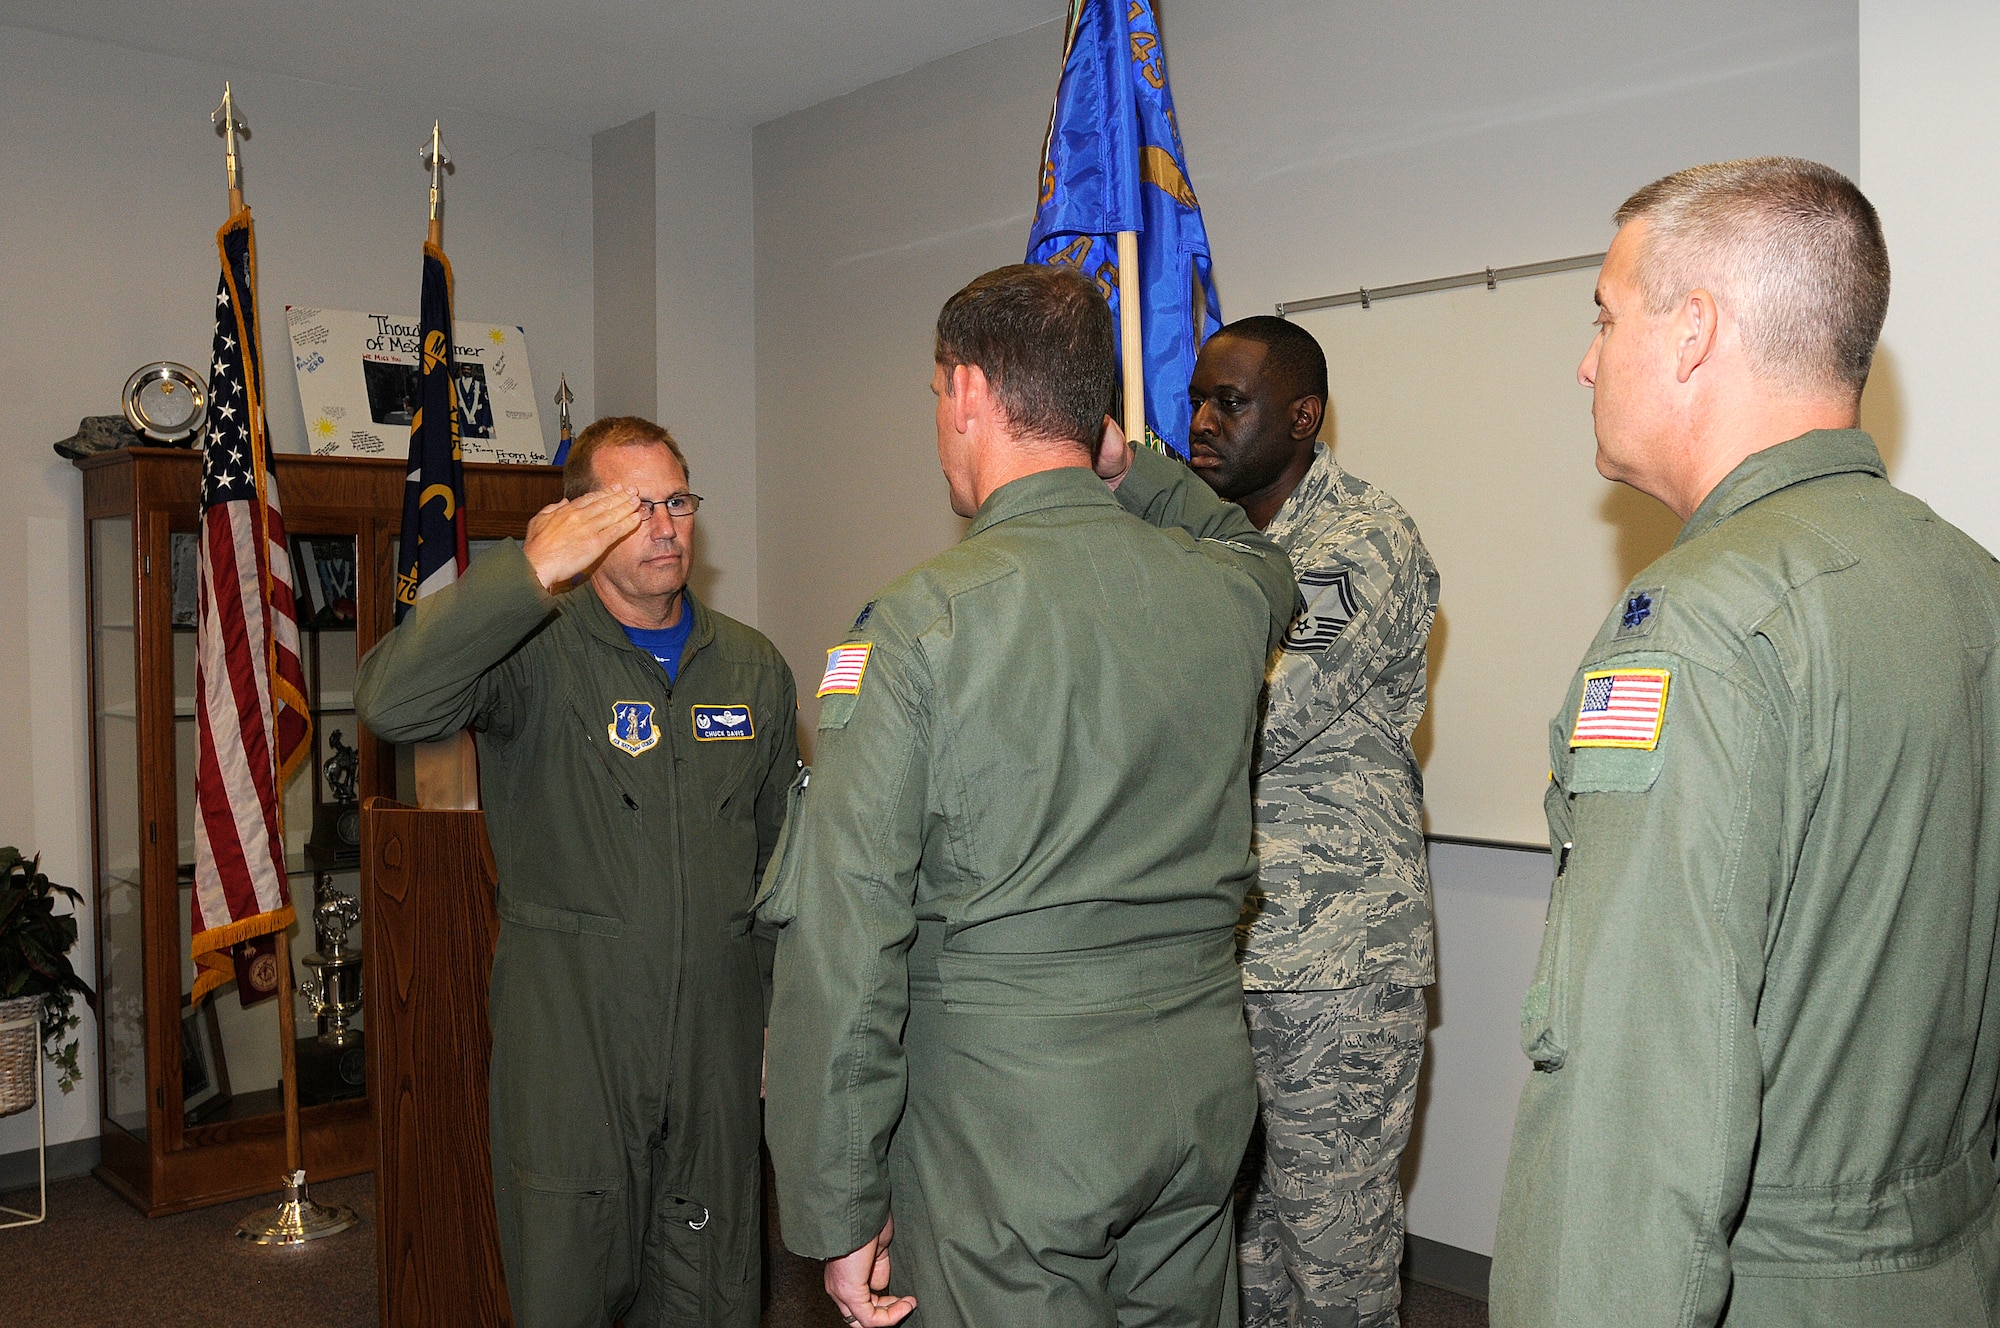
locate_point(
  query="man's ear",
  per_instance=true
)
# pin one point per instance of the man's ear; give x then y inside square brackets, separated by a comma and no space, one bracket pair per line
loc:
[1695,330]
[1307,412]
[971,396]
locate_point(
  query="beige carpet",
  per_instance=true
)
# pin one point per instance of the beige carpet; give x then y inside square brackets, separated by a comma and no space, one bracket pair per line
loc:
[97,1264]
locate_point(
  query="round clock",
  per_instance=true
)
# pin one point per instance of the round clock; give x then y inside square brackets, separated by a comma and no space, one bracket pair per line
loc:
[166,402]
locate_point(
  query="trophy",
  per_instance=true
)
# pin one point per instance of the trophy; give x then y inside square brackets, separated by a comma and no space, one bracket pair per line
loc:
[335,986]
[336,836]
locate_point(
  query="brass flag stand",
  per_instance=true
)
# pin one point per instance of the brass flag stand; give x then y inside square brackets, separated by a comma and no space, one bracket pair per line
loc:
[297,1219]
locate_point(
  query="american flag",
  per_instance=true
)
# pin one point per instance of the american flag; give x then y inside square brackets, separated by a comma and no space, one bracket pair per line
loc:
[249,687]
[1621,708]
[844,667]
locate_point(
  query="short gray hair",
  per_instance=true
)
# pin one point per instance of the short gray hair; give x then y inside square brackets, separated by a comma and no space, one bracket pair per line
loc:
[1790,247]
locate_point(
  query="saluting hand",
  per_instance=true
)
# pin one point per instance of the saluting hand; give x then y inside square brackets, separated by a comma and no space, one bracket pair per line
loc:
[567,538]
[858,1282]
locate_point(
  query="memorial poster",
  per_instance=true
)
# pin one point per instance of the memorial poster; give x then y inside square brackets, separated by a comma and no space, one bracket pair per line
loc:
[357,377]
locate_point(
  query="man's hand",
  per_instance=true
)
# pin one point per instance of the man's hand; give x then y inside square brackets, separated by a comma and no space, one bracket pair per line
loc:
[567,538]
[857,1284]
[1114,454]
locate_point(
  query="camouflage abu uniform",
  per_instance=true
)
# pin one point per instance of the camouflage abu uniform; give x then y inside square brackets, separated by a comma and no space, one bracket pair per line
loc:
[1336,936]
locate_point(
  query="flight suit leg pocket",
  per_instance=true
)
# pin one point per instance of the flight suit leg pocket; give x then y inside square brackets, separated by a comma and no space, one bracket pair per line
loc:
[573,1269]
[701,1258]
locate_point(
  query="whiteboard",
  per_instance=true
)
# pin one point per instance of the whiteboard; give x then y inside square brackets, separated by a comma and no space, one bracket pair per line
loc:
[1464,405]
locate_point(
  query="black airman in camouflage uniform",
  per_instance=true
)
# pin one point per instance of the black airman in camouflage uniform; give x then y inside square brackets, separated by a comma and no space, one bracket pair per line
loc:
[1335,938]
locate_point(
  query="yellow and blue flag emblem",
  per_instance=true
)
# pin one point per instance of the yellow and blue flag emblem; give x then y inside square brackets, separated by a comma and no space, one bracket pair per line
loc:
[1113,162]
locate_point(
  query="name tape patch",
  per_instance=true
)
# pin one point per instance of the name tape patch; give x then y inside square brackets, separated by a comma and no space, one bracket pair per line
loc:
[845,666]
[1621,708]
[631,727]
[714,723]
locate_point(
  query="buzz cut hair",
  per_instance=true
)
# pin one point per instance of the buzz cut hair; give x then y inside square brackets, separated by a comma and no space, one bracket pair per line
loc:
[580,477]
[1292,355]
[1042,336]
[1789,247]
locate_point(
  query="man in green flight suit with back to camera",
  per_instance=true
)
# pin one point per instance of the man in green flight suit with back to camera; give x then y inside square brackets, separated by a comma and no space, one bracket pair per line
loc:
[634,750]
[1765,1023]
[1006,1009]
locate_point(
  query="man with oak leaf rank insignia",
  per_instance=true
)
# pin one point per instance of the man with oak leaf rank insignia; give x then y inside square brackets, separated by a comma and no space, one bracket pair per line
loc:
[1336,936]
[634,750]
[1006,1026]
[1765,1022]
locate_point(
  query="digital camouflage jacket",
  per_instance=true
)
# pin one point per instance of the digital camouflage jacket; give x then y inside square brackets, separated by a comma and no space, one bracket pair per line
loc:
[1343,893]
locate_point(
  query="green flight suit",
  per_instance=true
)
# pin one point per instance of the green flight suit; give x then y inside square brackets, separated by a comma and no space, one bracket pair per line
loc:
[628,991]
[1006,1004]
[1766,1018]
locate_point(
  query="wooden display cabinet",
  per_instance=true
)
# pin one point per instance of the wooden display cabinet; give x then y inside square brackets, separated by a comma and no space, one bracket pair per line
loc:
[143,742]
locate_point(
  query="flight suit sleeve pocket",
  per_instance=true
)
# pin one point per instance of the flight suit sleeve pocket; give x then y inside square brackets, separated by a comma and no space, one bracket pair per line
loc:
[1615,769]
[777,901]
[526,914]
[1544,1010]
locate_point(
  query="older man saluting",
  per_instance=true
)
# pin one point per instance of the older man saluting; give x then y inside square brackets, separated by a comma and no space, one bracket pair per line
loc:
[634,749]
[1766,1019]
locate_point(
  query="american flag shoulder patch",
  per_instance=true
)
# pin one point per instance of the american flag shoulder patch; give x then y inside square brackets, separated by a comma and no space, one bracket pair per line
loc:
[1621,708]
[845,666]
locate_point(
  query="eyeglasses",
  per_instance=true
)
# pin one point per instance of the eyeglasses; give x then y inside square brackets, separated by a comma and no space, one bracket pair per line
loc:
[677,505]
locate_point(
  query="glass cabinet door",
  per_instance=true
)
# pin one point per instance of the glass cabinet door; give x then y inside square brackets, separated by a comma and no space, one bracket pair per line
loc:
[120,916]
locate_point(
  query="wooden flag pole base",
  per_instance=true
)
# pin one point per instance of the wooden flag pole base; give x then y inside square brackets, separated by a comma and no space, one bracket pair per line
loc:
[297,1219]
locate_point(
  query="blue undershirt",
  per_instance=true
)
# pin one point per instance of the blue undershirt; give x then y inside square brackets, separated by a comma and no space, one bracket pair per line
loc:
[665,643]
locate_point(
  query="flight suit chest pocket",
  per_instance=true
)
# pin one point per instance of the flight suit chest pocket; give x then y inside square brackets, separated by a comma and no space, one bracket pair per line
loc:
[778,898]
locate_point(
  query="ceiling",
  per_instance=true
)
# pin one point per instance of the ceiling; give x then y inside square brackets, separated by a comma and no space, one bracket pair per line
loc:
[584,66]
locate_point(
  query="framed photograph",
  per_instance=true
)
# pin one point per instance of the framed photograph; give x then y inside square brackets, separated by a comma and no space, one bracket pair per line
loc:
[204,1072]
[332,559]
[358,385]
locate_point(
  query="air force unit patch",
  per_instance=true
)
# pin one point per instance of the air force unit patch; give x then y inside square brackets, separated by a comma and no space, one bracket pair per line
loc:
[713,723]
[631,727]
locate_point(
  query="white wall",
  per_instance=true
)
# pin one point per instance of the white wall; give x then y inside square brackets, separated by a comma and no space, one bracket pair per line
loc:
[1930,123]
[707,339]
[1333,145]
[113,191]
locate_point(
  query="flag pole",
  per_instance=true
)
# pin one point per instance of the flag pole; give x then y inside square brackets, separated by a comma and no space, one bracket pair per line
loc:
[1129,337]
[297,1218]
[447,771]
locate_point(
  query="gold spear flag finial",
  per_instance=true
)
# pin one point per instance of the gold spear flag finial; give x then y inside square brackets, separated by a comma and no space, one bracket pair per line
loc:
[437,161]
[563,439]
[226,124]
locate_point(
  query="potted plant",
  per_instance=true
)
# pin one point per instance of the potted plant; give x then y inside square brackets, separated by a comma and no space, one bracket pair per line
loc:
[35,942]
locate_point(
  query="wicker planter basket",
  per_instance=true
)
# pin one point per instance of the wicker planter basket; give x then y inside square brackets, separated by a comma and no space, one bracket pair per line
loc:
[20,1052]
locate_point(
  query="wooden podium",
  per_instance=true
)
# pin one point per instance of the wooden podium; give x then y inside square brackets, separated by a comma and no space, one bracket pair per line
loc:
[428,877]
